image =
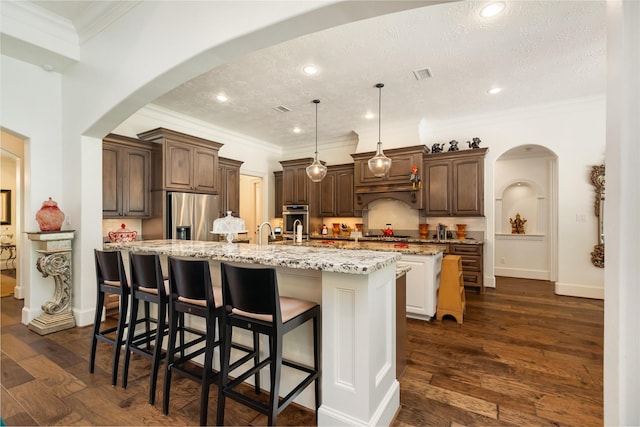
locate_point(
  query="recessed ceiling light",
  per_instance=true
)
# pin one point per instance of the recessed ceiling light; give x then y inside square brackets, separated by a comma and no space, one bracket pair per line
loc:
[494,90]
[492,9]
[310,70]
[222,98]
[297,130]
[369,116]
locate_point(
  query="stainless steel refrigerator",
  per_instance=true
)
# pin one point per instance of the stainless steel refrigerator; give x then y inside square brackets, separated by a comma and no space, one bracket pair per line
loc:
[191,215]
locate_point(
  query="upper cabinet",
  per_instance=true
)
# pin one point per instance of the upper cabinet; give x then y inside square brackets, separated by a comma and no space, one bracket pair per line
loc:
[454,183]
[336,191]
[187,163]
[126,172]
[296,185]
[229,180]
[278,193]
[395,184]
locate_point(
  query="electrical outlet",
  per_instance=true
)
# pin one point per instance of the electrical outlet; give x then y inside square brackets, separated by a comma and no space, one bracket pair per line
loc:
[501,260]
[581,218]
[67,219]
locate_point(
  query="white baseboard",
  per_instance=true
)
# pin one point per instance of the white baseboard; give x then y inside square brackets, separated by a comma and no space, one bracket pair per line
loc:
[523,273]
[577,290]
[85,317]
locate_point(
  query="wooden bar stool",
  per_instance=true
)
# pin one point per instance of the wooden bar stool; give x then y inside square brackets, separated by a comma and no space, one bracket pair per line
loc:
[252,302]
[149,286]
[110,279]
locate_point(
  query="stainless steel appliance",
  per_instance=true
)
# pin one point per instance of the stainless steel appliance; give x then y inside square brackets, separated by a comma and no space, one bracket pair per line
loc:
[291,213]
[191,215]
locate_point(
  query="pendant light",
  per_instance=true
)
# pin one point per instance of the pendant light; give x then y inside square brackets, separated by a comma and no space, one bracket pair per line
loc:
[379,164]
[316,170]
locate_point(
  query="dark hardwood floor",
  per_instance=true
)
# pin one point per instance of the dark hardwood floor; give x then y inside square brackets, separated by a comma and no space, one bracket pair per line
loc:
[523,356]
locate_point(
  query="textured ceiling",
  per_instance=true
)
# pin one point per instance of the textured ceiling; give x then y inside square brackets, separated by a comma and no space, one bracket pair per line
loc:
[537,51]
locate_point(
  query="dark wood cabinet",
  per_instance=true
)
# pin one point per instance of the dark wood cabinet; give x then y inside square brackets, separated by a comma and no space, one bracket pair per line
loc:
[295,182]
[395,184]
[454,183]
[188,163]
[126,172]
[229,184]
[472,264]
[336,191]
[278,194]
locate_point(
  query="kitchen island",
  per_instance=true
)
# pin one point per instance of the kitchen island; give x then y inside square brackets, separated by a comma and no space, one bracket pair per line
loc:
[357,292]
[424,260]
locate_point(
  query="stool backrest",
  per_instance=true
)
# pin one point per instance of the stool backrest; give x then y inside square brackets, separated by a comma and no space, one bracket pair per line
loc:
[145,271]
[109,267]
[189,278]
[254,290]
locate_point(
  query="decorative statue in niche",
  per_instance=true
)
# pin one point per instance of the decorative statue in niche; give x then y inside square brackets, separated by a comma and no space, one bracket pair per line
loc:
[453,145]
[437,148]
[475,144]
[415,178]
[517,225]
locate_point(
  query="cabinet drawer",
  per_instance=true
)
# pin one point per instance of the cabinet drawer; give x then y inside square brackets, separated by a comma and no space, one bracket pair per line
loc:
[471,263]
[472,279]
[465,249]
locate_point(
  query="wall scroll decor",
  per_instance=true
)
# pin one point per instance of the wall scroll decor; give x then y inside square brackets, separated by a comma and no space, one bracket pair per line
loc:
[597,179]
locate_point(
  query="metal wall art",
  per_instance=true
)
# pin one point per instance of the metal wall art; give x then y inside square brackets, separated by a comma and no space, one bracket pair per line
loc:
[597,179]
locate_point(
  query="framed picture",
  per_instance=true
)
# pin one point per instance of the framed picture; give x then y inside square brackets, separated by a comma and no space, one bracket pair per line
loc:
[5,207]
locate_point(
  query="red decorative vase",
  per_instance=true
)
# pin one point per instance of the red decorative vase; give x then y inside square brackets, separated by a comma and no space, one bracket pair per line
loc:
[50,217]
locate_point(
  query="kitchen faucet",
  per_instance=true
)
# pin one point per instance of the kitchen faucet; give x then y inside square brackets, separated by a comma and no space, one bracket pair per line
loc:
[273,236]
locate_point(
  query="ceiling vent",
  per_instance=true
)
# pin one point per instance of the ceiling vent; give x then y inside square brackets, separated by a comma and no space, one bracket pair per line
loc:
[282,109]
[422,74]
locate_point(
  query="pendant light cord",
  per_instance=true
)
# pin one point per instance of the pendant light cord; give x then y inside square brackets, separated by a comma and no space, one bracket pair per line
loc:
[379,110]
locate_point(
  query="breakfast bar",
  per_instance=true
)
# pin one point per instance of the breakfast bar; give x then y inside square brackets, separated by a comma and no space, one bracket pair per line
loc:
[357,293]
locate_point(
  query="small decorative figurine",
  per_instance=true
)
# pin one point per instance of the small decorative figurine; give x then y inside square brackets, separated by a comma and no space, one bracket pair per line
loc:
[475,144]
[415,178]
[453,145]
[517,225]
[437,148]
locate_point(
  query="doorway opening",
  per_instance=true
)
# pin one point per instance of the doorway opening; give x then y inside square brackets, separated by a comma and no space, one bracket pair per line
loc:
[251,204]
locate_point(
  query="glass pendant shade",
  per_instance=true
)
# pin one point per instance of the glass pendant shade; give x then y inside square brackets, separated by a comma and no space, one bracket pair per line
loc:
[379,164]
[316,171]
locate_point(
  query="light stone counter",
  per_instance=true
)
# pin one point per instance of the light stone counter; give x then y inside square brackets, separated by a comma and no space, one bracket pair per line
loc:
[385,246]
[298,256]
[357,293]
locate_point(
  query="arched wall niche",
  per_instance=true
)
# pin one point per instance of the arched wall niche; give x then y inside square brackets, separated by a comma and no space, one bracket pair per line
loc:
[526,183]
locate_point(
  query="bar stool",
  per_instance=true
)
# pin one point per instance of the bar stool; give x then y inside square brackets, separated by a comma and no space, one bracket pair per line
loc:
[192,293]
[110,279]
[253,303]
[149,286]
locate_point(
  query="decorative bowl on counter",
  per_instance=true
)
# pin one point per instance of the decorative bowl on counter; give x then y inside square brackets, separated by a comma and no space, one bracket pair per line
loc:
[123,235]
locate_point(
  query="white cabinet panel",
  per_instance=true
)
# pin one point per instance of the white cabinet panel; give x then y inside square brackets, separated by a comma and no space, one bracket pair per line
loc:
[423,281]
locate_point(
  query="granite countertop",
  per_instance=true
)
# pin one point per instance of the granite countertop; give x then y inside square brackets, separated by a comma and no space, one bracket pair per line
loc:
[400,247]
[415,240]
[278,255]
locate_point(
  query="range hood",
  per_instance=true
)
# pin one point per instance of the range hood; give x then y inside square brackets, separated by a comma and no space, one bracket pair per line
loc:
[396,184]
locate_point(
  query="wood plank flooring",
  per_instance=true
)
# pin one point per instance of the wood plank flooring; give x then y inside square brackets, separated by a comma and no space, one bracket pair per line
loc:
[523,356]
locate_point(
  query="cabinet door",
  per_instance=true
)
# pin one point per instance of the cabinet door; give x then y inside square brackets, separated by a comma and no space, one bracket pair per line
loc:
[179,166]
[232,190]
[205,163]
[111,181]
[328,195]
[344,199]
[363,174]
[302,186]
[288,186]
[136,190]
[278,194]
[438,190]
[468,187]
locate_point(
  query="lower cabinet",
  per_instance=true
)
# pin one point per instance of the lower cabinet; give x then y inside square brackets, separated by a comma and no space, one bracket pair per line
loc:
[423,281]
[472,264]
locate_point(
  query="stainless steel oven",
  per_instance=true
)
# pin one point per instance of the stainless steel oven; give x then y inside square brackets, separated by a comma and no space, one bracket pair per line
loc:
[291,213]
